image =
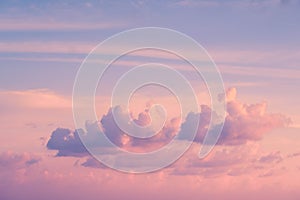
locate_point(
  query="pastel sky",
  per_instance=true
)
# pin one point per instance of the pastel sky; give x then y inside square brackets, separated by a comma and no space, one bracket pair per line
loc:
[256,46]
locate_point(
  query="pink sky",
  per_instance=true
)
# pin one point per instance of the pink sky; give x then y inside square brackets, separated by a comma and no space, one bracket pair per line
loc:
[256,48]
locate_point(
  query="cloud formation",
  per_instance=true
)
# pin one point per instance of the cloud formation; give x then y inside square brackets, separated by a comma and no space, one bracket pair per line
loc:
[93,163]
[67,143]
[11,160]
[244,122]
[248,159]
[274,157]
[120,138]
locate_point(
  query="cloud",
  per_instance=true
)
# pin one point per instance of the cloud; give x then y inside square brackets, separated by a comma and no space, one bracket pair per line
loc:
[248,121]
[46,25]
[248,159]
[289,2]
[235,3]
[11,160]
[67,143]
[274,157]
[222,160]
[244,122]
[93,163]
[46,47]
[64,182]
[37,98]
[120,138]
[293,155]
[202,3]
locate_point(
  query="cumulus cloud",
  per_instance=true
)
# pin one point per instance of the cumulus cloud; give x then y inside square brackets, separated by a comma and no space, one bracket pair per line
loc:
[228,160]
[66,142]
[248,121]
[244,122]
[120,138]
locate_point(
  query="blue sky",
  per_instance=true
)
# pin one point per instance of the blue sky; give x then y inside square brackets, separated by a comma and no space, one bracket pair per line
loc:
[43,44]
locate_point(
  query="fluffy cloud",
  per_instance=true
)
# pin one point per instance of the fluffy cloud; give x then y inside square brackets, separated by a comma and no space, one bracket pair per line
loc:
[66,142]
[120,138]
[244,122]
[249,122]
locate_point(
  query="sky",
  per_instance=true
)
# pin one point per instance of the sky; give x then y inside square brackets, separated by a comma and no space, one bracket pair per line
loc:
[254,44]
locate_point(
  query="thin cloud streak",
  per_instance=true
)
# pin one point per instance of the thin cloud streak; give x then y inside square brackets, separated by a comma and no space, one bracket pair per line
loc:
[19,25]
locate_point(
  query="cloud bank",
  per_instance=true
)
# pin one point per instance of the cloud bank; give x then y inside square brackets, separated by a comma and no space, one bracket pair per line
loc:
[243,123]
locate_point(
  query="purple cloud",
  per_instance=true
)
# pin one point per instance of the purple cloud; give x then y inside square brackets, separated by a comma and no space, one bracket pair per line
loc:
[244,122]
[11,160]
[67,143]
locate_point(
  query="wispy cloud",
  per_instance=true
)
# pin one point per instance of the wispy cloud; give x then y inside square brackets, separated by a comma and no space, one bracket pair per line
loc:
[271,59]
[233,3]
[46,25]
[14,160]
[38,98]
[46,47]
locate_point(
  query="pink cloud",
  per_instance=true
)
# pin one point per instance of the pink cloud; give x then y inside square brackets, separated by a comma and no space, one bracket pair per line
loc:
[67,143]
[244,122]
[243,160]
[11,160]
[28,99]
[116,135]
[92,162]
[15,166]
[273,157]
[29,25]
[248,121]
[297,154]
[58,179]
